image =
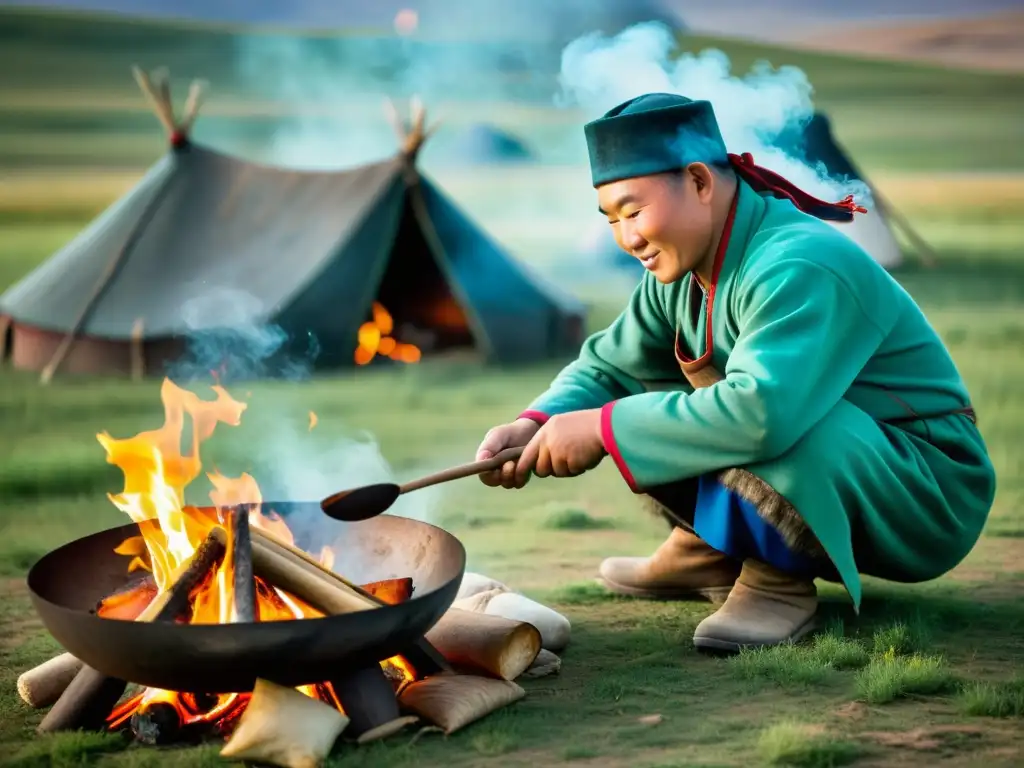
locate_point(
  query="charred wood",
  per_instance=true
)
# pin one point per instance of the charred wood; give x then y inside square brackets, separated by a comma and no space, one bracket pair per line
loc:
[92,695]
[241,558]
[368,699]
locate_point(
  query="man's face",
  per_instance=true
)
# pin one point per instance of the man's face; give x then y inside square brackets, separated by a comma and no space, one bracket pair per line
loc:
[664,220]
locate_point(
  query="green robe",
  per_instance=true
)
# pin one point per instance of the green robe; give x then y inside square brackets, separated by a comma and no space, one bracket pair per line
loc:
[819,345]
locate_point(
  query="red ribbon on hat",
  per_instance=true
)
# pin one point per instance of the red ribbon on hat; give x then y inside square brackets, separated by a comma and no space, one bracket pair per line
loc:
[763,180]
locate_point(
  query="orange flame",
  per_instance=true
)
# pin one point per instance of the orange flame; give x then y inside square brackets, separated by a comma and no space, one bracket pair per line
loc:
[156,472]
[375,339]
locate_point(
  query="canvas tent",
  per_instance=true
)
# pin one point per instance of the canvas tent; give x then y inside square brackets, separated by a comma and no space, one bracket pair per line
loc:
[816,143]
[206,240]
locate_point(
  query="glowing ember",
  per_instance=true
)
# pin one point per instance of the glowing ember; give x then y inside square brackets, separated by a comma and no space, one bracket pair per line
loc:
[157,470]
[375,339]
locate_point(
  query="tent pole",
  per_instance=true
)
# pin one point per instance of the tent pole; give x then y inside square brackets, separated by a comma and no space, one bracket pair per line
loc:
[138,356]
[113,268]
[925,253]
[5,327]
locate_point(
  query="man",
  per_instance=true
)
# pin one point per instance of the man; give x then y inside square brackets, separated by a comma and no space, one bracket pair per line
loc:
[774,392]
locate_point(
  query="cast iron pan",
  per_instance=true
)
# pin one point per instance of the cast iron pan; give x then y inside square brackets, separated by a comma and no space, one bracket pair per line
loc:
[67,584]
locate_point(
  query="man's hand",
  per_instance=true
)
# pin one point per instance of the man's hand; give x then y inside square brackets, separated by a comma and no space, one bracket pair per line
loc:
[513,435]
[567,445]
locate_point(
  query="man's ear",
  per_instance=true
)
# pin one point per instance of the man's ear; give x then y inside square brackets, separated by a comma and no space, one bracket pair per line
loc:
[703,179]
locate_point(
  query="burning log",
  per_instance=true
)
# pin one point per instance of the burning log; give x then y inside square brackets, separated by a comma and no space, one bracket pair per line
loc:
[158,724]
[284,727]
[454,701]
[480,642]
[91,696]
[342,596]
[241,553]
[296,572]
[368,699]
[390,591]
[129,601]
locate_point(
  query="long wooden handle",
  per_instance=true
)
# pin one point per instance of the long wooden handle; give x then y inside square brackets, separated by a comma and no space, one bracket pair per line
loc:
[465,470]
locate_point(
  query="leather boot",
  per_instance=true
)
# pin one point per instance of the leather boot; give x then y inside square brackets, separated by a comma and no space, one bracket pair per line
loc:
[766,607]
[682,568]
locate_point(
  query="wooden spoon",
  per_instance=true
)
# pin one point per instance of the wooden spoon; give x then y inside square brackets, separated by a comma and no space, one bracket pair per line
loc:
[371,500]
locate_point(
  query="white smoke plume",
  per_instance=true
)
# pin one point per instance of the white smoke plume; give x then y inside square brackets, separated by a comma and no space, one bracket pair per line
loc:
[229,339]
[599,72]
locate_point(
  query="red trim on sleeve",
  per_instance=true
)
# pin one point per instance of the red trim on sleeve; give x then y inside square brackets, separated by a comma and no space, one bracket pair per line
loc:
[540,418]
[608,438]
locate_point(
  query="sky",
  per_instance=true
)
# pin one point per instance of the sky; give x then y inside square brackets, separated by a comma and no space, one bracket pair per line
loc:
[744,18]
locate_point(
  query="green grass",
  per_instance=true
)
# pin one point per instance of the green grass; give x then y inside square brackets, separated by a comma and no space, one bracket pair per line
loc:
[917,657]
[1004,699]
[794,745]
[890,677]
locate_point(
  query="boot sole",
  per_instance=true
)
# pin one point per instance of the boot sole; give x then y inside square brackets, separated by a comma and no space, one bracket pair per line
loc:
[716,595]
[715,645]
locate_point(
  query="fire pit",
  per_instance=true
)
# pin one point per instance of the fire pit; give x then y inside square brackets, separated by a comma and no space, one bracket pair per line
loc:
[224,627]
[218,658]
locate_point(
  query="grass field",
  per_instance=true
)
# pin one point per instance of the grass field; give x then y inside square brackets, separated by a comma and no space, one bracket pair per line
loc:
[927,674]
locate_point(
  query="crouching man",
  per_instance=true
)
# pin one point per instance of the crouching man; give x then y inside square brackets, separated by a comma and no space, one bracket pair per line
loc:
[769,389]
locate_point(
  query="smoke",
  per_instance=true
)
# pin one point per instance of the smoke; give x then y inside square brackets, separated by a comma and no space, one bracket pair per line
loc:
[753,111]
[331,90]
[226,333]
[228,336]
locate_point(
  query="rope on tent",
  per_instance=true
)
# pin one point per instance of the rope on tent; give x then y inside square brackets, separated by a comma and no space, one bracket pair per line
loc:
[412,134]
[106,279]
[925,253]
[156,87]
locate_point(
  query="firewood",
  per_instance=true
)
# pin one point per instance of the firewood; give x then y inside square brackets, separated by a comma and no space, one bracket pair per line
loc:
[554,627]
[344,595]
[387,729]
[284,727]
[244,593]
[368,699]
[41,686]
[390,591]
[157,724]
[545,664]
[324,590]
[91,696]
[130,600]
[486,644]
[454,701]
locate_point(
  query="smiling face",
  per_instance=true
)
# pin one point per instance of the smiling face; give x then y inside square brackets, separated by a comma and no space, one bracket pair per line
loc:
[665,221]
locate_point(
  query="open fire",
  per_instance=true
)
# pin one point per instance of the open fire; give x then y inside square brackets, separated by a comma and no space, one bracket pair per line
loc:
[156,473]
[236,562]
[375,339]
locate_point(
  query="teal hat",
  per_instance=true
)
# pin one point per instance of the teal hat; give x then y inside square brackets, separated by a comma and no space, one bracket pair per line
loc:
[653,133]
